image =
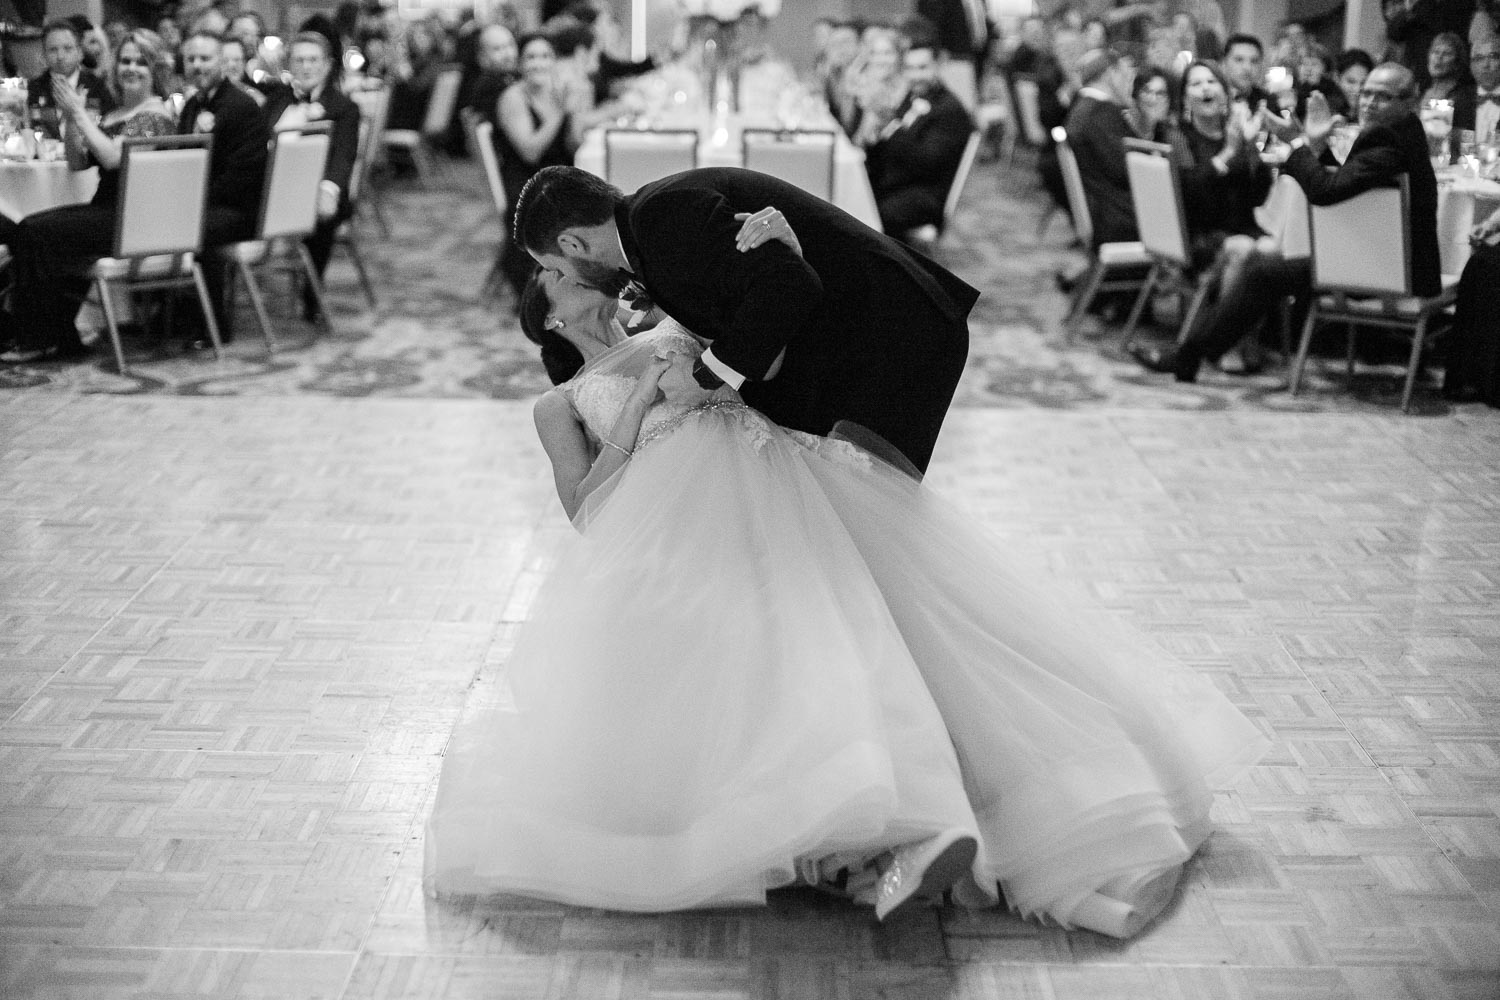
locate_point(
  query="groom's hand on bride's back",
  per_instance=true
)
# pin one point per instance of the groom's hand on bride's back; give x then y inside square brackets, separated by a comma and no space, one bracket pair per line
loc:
[759,227]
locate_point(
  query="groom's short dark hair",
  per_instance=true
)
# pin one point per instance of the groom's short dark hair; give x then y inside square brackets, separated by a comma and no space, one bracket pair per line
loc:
[557,199]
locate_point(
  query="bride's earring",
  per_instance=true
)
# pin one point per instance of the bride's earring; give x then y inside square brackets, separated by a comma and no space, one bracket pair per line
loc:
[553,323]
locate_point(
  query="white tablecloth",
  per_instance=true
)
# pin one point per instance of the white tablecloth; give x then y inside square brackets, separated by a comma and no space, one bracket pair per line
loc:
[1461,202]
[721,148]
[30,186]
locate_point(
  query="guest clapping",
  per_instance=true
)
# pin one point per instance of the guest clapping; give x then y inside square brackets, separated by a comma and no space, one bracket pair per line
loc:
[63,47]
[534,133]
[52,247]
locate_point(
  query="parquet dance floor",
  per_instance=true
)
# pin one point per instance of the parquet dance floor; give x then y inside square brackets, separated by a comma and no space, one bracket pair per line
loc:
[236,632]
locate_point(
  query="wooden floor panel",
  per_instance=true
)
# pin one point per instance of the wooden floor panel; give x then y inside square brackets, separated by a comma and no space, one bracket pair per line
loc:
[236,633]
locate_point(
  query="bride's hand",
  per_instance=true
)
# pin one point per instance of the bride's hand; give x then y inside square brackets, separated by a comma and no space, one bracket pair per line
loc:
[648,386]
[767,224]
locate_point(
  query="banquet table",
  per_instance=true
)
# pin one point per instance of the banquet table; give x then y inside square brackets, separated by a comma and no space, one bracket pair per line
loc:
[1462,201]
[719,145]
[30,186]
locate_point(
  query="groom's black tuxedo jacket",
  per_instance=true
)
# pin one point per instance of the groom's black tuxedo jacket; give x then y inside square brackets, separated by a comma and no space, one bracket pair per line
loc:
[873,331]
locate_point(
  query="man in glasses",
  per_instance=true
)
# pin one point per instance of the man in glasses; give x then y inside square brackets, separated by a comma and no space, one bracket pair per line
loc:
[1391,142]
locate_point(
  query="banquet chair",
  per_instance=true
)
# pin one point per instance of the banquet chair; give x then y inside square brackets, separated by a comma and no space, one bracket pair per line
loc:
[801,158]
[1104,260]
[360,189]
[633,157]
[483,142]
[158,227]
[1156,193]
[288,215]
[417,143]
[1361,274]
[374,109]
[928,235]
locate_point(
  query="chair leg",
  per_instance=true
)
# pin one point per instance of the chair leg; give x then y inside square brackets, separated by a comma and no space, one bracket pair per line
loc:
[1200,296]
[1415,364]
[314,284]
[426,167]
[1090,288]
[258,303]
[207,305]
[1307,334]
[359,270]
[378,211]
[1349,352]
[107,302]
[1140,304]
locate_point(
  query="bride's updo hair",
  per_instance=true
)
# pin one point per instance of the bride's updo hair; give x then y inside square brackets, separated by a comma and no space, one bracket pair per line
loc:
[561,359]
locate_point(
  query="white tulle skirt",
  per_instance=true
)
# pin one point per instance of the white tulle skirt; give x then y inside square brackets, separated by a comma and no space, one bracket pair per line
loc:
[766,647]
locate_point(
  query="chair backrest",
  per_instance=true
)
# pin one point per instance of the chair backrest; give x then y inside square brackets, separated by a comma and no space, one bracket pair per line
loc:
[1363,245]
[801,158]
[633,157]
[1156,194]
[294,170]
[375,108]
[163,195]
[364,159]
[484,139]
[1078,203]
[956,189]
[443,101]
[1029,109]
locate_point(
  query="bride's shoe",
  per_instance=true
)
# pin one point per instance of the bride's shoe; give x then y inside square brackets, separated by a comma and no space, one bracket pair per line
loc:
[1103,913]
[924,870]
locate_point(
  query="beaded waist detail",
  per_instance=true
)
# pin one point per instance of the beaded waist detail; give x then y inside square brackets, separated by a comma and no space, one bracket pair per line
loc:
[672,423]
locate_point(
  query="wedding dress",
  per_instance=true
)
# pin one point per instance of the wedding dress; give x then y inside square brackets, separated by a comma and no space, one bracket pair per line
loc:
[765,646]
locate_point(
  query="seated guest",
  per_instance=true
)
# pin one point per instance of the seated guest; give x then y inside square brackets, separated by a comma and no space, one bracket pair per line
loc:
[415,75]
[1315,73]
[1477,107]
[1244,58]
[51,248]
[1473,368]
[915,159]
[1150,110]
[237,164]
[63,48]
[1353,66]
[1097,129]
[534,133]
[1223,178]
[875,82]
[498,56]
[1391,142]
[313,98]
[609,68]
[831,68]
[1447,68]
[232,52]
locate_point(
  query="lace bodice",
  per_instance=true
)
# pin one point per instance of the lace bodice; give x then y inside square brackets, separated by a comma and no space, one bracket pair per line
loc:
[599,392]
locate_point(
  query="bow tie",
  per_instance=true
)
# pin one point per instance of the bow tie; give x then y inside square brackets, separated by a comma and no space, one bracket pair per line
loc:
[305,98]
[1493,97]
[637,300]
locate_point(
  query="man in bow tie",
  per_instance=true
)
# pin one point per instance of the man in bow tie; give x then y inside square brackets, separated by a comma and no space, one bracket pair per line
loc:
[1478,107]
[913,164]
[314,97]
[237,163]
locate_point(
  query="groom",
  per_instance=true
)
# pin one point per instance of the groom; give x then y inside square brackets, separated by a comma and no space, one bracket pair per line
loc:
[857,328]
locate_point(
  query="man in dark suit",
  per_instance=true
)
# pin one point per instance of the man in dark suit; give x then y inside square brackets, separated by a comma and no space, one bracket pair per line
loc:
[1477,107]
[913,163]
[237,164]
[1244,62]
[1391,142]
[63,47]
[856,327]
[1097,130]
[962,28]
[313,98]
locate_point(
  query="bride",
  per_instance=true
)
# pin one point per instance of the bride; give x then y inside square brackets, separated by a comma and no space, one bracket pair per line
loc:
[770,657]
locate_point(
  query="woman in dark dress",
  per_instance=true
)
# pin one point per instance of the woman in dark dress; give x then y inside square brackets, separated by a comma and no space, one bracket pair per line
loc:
[52,247]
[1223,178]
[535,132]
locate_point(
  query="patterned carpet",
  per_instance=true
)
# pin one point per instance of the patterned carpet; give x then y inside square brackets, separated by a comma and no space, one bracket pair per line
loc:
[431,336]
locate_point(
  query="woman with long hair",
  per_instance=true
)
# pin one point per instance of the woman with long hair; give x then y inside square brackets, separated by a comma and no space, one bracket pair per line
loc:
[51,247]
